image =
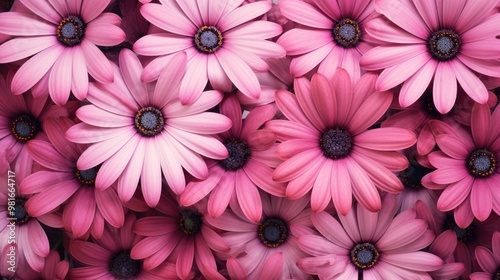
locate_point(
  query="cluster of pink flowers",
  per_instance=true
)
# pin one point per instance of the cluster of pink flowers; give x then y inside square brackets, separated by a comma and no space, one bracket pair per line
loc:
[250,139]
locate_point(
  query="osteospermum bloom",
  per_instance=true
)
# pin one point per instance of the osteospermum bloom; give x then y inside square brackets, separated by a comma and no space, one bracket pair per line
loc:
[180,234]
[332,35]
[489,260]
[140,130]
[21,119]
[86,207]
[266,249]
[376,245]
[248,167]
[222,41]
[328,147]
[109,257]
[445,41]
[467,168]
[61,37]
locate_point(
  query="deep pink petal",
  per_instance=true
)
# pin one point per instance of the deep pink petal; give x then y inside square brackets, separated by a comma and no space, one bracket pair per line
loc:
[151,179]
[20,47]
[324,99]
[363,188]
[376,139]
[248,197]
[321,192]
[369,112]
[471,84]
[110,206]
[452,146]
[90,9]
[50,198]
[300,41]
[243,14]
[419,261]
[185,258]
[194,80]
[305,14]
[43,9]
[404,15]
[481,200]
[455,194]
[222,194]
[341,187]
[168,19]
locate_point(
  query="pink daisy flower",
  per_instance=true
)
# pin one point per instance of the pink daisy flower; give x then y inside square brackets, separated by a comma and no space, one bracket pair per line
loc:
[374,245]
[139,130]
[21,119]
[180,234]
[467,168]
[61,38]
[224,45]
[109,257]
[54,269]
[489,260]
[327,145]
[86,207]
[248,167]
[332,35]
[266,249]
[444,41]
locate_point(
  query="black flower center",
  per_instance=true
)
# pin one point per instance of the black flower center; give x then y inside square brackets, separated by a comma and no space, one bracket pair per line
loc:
[412,176]
[70,31]
[239,154]
[24,127]
[149,121]
[87,177]
[273,232]
[336,143]
[364,255]
[190,221]
[463,234]
[496,275]
[123,267]
[481,163]
[444,44]
[347,33]
[16,211]
[208,39]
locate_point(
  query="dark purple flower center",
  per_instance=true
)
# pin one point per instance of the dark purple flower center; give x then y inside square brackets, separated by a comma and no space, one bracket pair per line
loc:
[24,127]
[70,31]
[364,255]
[496,275]
[149,121]
[412,176]
[87,177]
[336,143]
[123,267]
[16,211]
[481,163]
[463,234]
[208,39]
[347,33]
[190,222]
[273,232]
[239,154]
[444,44]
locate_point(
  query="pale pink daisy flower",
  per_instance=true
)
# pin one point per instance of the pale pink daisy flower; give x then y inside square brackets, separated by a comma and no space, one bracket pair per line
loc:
[248,167]
[266,249]
[139,130]
[374,245]
[328,146]
[86,207]
[109,257]
[61,37]
[332,35]
[489,260]
[445,41]
[21,119]
[467,167]
[223,42]
[180,234]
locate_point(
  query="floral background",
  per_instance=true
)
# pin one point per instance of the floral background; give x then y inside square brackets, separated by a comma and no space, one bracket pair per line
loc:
[238,139]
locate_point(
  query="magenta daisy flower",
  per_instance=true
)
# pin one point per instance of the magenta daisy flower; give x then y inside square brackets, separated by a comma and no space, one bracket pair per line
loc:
[61,38]
[248,167]
[332,35]
[180,234]
[444,41]
[374,245]
[266,249]
[21,119]
[109,257]
[139,130]
[328,147]
[467,168]
[63,183]
[489,260]
[224,45]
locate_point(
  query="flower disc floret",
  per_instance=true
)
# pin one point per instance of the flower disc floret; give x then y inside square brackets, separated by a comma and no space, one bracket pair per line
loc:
[208,39]
[70,31]
[444,44]
[123,267]
[190,222]
[336,143]
[239,154]
[347,33]
[481,163]
[364,255]
[149,121]
[25,127]
[273,232]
